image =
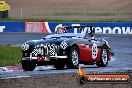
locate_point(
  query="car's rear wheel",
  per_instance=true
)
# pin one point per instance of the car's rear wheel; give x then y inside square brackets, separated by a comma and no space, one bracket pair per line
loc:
[103,58]
[73,60]
[28,65]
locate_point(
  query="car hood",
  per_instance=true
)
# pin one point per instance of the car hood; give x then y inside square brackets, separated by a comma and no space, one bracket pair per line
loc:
[45,41]
[77,35]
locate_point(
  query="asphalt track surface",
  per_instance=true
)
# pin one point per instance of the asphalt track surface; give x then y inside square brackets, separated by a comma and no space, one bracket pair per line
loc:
[121,62]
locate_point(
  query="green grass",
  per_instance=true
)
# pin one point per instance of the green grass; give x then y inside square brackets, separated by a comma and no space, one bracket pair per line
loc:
[62,20]
[10,55]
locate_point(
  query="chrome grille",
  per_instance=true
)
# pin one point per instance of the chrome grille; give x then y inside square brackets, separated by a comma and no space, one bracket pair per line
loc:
[49,50]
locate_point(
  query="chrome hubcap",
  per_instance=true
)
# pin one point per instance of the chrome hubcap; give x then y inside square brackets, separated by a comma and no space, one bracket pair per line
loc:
[75,57]
[104,56]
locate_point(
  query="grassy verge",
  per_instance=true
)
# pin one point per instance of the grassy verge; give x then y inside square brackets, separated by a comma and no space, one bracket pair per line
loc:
[62,20]
[9,55]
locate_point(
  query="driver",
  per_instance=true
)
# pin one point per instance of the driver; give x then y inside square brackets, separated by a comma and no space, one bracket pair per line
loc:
[61,30]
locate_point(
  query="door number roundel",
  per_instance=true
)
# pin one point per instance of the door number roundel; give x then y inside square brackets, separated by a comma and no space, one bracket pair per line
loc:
[94,51]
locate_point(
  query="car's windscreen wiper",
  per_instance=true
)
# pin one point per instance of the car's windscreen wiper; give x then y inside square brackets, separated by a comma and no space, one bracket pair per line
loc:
[67,36]
[55,37]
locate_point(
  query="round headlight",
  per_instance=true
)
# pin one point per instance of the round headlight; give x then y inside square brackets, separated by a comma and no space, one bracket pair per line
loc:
[63,45]
[25,46]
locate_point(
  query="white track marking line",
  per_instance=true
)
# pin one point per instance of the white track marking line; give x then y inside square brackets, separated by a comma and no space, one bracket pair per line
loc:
[5,69]
[38,68]
[15,77]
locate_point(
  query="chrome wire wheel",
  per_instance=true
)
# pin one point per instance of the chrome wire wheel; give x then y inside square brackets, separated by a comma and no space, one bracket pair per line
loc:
[75,57]
[104,56]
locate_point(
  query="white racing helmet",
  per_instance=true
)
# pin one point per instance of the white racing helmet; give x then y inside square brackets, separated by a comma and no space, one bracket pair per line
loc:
[61,30]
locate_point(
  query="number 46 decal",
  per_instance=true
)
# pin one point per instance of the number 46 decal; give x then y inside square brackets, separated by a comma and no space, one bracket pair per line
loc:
[94,51]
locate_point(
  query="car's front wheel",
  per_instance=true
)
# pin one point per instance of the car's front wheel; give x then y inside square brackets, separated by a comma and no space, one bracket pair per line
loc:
[28,65]
[103,58]
[73,60]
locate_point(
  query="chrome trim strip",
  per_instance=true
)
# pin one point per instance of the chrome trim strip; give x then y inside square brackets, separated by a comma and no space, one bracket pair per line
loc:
[35,58]
[59,56]
[28,58]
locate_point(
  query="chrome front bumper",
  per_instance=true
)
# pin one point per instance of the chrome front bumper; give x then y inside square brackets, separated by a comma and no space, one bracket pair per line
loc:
[35,58]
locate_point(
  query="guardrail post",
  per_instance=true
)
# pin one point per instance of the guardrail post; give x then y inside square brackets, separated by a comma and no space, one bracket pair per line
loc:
[84,14]
[21,13]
